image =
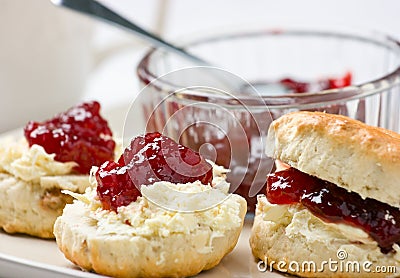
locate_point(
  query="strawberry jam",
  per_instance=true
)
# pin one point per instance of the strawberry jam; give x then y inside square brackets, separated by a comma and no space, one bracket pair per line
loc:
[80,134]
[149,158]
[115,187]
[336,205]
[321,84]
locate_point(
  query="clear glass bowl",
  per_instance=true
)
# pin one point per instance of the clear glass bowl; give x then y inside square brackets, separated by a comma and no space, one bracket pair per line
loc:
[264,58]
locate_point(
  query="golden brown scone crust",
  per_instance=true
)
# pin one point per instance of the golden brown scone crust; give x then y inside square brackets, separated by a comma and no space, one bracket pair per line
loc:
[32,208]
[138,256]
[341,150]
[274,240]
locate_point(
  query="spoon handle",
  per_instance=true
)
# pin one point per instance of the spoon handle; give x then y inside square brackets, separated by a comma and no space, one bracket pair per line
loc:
[97,10]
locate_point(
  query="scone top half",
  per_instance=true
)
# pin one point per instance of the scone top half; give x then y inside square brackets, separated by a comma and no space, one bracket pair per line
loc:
[340,150]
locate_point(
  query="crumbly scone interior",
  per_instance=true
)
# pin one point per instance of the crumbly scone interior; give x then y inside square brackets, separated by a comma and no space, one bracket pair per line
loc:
[30,187]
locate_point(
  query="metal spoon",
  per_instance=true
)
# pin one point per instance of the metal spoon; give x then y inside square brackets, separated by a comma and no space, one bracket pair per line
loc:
[97,10]
[213,75]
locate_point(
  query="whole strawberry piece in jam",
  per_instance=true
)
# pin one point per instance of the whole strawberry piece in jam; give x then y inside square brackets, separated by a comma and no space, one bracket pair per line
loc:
[115,187]
[80,134]
[149,158]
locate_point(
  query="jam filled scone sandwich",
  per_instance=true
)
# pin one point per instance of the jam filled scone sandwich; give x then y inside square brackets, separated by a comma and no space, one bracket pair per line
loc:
[142,216]
[338,192]
[54,155]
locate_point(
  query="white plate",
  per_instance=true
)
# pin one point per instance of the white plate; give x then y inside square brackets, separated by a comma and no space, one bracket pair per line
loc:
[24,256]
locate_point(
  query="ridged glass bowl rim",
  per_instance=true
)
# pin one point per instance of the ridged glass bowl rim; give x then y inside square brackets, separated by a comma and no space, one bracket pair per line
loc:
[285,101]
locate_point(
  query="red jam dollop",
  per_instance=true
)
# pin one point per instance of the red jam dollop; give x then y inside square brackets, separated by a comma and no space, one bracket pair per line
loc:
[322,84]
[80,134]
[149,158]
[334,204]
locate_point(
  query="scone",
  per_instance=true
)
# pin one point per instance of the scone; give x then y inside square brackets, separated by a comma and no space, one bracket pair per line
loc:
[177,223]
[332,210]
[34,169]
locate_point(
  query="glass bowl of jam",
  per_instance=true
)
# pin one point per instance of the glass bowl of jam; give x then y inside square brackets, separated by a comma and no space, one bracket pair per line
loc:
[224,111]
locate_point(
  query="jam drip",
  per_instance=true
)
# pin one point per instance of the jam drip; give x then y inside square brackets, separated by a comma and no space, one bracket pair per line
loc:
[80,134]
[337,205]
[149,158]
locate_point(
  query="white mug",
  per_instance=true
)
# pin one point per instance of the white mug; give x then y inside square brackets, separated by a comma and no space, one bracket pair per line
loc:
[45,59]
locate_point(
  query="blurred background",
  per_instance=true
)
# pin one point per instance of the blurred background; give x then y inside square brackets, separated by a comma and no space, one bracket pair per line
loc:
[51,58]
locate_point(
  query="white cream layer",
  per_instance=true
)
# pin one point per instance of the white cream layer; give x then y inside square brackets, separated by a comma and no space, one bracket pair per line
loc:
[298,220]
[30,163]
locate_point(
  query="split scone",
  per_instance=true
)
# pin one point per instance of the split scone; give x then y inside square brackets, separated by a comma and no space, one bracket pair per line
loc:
[32,177]
[336,198]
[164,228]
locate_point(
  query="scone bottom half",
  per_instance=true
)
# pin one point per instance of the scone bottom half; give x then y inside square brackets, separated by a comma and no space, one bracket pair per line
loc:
[53,155]
[329,195]
[127,229]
